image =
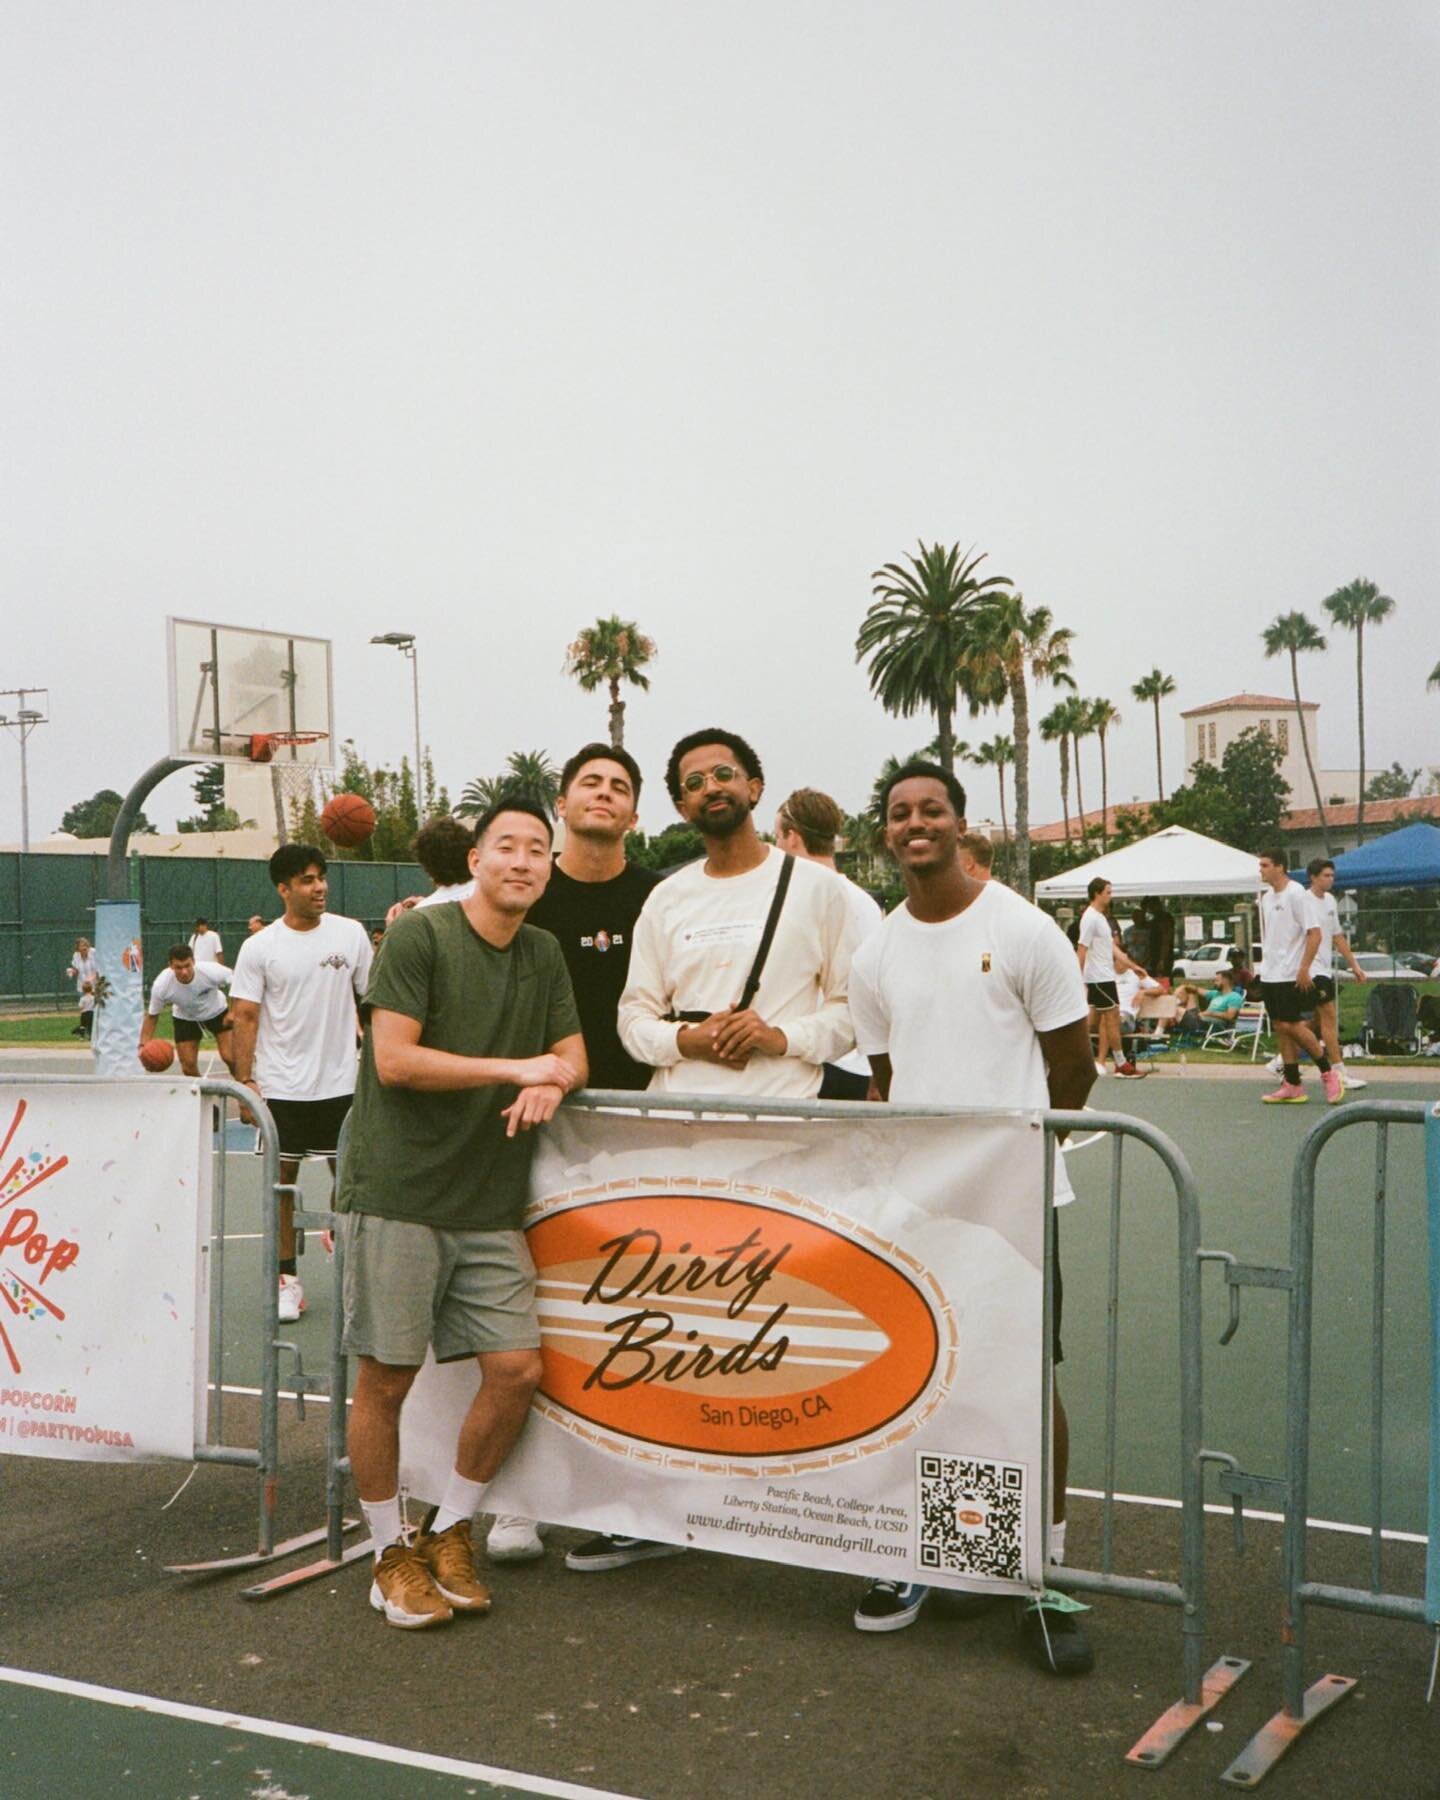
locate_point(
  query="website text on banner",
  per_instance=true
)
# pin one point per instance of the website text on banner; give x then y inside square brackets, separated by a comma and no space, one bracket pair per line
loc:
[104,1209]
[812,1340]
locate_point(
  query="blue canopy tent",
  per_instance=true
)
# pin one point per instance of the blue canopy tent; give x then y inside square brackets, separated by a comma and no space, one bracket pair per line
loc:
[1409,857]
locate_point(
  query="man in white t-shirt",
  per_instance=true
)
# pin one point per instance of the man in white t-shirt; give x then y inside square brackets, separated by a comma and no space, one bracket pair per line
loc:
[970,996]
[1326,914]
[809,824]
[1291,941]
[205,943]
[1101,960]
[294,996]
[195,993]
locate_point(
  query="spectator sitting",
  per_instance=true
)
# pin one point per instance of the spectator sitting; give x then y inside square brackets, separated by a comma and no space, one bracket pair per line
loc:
[1190,1001]
[1223,1001]
[1242,976]
[1129,987]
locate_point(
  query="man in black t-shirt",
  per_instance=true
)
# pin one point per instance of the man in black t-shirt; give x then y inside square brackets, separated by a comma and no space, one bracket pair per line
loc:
[590,904]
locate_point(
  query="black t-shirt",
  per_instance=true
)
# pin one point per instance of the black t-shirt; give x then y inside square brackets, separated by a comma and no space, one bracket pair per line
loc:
[595,924]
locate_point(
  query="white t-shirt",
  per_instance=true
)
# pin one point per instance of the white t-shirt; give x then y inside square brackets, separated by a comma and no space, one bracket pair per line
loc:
[307,984]
[1326,914]
[1129,987]
[1099,942]
[957,1007]
[692,948]
[207,946]
[1284,921]
[200,998]
[87,973]
[457,890]
[867,917]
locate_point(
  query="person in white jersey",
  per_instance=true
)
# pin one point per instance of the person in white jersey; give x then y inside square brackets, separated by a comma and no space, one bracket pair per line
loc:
[294,997]
[1326,914]
[809,824]
[1101,961]
[1291,941]
[206,942]
[84,971]
[691,1009]
[195,993]
[969,995]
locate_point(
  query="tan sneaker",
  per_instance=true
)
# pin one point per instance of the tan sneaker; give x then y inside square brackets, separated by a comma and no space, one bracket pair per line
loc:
[403,1590]
[449,1558]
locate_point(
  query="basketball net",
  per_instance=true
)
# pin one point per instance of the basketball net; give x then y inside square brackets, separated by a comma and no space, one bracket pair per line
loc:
[293,785]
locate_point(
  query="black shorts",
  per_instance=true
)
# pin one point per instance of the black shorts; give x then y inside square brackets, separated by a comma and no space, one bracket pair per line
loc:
[843,1084]
[1285,1003]
[1104,996]
[1324,991]
[191,1031]
[310,1127]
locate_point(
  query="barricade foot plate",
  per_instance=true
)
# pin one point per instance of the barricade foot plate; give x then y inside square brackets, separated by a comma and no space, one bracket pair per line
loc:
[1172,1728]
[1276,1736]
[277,1584]
[256,1559]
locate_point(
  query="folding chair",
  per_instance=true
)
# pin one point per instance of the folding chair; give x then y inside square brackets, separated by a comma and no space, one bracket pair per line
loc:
[1249,1025]
[1392,1020]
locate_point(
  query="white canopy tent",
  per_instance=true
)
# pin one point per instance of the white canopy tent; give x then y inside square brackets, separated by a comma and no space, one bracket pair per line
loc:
[1174,861]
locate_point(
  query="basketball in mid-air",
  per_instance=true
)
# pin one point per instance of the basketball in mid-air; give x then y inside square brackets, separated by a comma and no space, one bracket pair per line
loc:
[348,820]
[158,1054]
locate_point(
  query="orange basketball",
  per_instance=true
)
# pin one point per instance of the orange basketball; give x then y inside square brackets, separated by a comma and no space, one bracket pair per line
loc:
[348,820]
[158,1054]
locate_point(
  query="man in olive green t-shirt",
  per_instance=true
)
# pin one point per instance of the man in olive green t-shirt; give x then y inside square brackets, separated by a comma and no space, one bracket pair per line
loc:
[473,1040]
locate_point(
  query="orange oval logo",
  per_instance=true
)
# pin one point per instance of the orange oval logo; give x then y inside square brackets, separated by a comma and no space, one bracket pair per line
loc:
[970,1517]
[724,1326]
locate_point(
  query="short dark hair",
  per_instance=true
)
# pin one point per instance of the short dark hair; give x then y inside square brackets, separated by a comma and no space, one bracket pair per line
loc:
[910,771]
[1274,856]
[513,803]
[291,860]
[816,817]
[1097,885]
[179,953]
[442,849]
[598,752]
[713,734]
[204,922]
[1317,865]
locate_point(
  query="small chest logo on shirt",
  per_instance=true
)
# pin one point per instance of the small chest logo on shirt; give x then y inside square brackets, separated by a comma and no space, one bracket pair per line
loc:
[984,962]
[335,961]
[602,941]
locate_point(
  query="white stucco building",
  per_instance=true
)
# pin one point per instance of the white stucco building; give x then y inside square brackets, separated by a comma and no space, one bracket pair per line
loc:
[1210,728]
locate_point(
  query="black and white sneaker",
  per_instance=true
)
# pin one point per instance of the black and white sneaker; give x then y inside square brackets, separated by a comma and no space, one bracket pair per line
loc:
[603,1552]
[890,1605]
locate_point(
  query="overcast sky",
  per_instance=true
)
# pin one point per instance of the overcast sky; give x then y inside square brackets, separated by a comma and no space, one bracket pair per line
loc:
[481,321]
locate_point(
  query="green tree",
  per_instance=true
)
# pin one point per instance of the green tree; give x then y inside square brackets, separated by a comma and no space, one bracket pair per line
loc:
[917,631]
[1287,635]
[214,814]
[95,817]
[605,654]
[527,772]
[1055,729]
[1104,716]
[390,791]
[1241,802]
[668,849]
[1155,687]
[1393,783]
[1354,607]
[998,755]
[1010,641]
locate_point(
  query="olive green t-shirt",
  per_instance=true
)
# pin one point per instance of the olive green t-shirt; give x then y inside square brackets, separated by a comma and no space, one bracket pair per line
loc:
[444,1159]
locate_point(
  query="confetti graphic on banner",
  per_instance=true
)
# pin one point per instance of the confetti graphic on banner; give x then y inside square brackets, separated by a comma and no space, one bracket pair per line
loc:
[21,1230]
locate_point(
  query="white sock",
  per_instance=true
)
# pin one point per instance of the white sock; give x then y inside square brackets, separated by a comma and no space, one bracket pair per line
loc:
[383,1518]
[1057,1541]
[461,1500]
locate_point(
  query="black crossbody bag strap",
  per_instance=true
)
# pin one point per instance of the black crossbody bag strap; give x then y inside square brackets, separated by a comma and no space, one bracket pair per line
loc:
[767,937]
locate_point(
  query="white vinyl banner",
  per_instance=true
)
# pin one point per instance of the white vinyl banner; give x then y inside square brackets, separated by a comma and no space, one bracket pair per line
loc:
[815,1341]
[104,1209]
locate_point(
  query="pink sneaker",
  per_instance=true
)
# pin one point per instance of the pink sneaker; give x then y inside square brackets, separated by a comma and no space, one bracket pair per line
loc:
[1287,1094]
[1334,1087]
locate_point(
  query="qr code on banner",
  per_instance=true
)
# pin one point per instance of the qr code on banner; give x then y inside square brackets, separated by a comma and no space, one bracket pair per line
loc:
[972,1516]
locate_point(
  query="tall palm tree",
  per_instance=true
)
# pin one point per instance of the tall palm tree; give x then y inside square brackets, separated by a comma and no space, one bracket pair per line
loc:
[605,654]
[527,772]
[1078,711]
[1359,604]
[998,754]
[1010,638]
[1103,715]
[1287,635]
[917,629]
[1156,687]
[1055,729]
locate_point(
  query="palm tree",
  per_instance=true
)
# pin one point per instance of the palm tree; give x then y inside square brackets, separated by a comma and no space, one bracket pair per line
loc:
[606,653]
[1433,679]
[527,772]
[1011,637]
[998,754]
[1055,729]
[1103,714]
[1080,726]
[1156,687]
[1288,634]
[917,629]
[1356,606]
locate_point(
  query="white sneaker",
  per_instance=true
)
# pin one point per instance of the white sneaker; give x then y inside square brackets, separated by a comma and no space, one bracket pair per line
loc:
[513,1539]
[1275,1066]
[292,1299]
[1100,1069]
[1351,1081]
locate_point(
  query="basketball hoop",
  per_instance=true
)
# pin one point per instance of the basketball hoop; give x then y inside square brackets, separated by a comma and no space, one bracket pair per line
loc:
[264,744]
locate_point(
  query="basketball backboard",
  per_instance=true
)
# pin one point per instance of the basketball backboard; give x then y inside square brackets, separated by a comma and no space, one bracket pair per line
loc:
[230,687]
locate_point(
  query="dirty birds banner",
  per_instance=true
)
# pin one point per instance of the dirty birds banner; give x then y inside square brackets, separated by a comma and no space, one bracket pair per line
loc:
[104,1208]
[814,1341]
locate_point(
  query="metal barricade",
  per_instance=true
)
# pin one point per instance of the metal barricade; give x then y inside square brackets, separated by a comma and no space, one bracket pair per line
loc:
[1303,1706]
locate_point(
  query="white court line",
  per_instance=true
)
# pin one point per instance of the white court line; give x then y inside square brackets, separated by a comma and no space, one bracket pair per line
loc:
[308,1736]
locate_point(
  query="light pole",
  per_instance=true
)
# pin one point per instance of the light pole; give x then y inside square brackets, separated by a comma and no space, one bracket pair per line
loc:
[404,642]
[24,721]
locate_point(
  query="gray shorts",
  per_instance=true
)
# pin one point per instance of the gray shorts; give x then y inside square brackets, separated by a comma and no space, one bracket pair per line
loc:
[408,1286]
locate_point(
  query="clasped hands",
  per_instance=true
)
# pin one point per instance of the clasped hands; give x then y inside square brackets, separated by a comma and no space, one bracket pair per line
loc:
[731,1038]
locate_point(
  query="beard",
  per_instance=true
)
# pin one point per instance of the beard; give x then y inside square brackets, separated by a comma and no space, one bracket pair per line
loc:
[722,821]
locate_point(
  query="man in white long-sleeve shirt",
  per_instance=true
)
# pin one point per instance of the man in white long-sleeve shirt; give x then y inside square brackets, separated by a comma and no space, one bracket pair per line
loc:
[693,949]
